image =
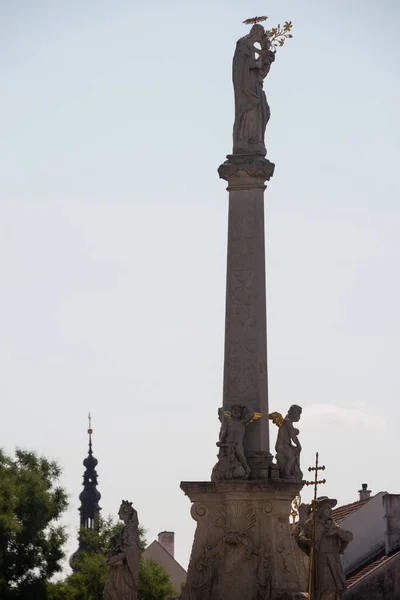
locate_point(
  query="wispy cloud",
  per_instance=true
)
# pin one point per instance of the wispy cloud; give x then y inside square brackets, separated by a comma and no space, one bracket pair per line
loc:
[351,416]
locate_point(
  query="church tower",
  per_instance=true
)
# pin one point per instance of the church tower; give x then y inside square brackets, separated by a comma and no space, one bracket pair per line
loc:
[90,495]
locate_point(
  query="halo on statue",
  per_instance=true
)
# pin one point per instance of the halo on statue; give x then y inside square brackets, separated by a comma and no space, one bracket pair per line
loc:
[276,36]
[255,20]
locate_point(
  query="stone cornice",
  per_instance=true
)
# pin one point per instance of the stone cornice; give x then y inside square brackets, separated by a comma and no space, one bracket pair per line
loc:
[250,487]
[246,172]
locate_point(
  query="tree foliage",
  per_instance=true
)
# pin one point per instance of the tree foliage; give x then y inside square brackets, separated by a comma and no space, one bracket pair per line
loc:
[90,569]
[31,541]
[154,583]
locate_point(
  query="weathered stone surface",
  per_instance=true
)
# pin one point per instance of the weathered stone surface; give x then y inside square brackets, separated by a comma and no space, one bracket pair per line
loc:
[391,504]
[245,365]
[243,547]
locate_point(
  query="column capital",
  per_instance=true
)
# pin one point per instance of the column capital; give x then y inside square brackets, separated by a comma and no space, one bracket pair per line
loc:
[246,172]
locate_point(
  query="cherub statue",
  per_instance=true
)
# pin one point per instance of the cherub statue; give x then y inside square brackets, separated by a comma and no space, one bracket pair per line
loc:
[287,454]
[232,463]
[123,557]
[220,468]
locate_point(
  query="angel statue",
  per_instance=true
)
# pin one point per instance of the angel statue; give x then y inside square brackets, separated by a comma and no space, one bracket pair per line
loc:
[232,462]
[288,454]
[123,557]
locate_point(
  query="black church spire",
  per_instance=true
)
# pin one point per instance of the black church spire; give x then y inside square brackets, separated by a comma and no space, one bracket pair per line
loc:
[90,495]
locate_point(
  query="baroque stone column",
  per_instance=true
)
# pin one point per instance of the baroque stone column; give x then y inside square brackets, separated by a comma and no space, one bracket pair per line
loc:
[243,548]
[245,366]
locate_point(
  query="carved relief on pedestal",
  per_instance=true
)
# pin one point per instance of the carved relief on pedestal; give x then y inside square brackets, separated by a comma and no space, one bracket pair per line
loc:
[234,566]
[237,516]
[199,511]
[268,507]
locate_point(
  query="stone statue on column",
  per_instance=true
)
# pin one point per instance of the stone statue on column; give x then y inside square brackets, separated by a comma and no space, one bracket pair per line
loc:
[123,558]
[252,112]
[243,547]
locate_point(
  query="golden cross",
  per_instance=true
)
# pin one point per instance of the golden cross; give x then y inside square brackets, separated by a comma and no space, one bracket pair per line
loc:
[90,430]
[314,505]
[316,483]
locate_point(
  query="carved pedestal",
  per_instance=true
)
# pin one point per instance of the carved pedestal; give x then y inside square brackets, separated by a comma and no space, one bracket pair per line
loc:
[243,548]
[245,365]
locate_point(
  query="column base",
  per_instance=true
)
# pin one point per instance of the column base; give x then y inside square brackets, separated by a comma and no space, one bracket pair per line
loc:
[243,547]
[261,466]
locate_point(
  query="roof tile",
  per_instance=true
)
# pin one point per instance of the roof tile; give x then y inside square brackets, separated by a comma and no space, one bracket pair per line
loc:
[344,511]
[368,568]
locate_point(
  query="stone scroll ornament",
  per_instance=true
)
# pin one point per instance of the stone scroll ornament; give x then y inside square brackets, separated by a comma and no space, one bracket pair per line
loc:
[287,445]
[329,541]
[232,462]
[123,557]
[251,65]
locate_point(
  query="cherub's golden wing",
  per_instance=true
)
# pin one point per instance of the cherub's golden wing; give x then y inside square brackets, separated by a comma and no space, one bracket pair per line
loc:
[255,20]
[255,417]
[276,418]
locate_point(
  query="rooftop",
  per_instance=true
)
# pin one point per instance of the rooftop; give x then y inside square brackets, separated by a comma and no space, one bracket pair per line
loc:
[344,511]
[374,564]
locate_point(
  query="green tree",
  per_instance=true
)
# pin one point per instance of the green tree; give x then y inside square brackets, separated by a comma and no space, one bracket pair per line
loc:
[31,541]
[90,569]
[59,591]
[154,583]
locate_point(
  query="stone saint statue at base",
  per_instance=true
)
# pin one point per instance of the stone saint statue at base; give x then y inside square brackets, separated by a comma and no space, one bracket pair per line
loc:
[329,582]
[123,558]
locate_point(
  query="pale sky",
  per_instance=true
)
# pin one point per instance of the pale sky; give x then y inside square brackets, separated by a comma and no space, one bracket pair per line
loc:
[113,225]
